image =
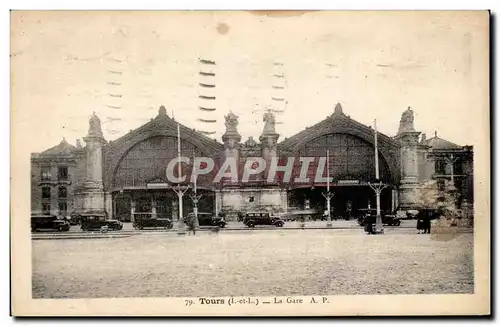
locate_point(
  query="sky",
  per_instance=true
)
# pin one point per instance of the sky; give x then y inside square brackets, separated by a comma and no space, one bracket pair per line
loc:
[124,65]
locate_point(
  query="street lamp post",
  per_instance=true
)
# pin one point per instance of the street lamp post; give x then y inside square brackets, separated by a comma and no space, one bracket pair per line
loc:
[178,189]
[328,195]
[378,186]
[451,160]
[195,197]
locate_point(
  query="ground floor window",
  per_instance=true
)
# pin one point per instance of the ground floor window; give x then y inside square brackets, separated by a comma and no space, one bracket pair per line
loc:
[46,208]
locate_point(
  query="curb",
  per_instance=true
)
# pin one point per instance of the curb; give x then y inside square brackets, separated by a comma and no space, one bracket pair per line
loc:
[129,233]
[78,237]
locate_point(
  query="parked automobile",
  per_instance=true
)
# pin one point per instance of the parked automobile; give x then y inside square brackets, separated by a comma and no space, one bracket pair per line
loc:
[304,215]
[48,222]
[208,219]
[262,218]
[142,223]
[97,224]
[370,215]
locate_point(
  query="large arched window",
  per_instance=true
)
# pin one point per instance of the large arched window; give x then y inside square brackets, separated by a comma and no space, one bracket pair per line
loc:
[148,160]
[351,158]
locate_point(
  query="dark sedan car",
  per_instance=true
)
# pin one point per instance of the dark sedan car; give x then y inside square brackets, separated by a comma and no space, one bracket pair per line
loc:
[208,219]
[370,214]
[48,222]
[97,224]
[143,223]
[262,218]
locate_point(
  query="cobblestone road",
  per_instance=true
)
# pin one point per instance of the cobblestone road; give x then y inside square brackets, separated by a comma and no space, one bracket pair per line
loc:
[281,262]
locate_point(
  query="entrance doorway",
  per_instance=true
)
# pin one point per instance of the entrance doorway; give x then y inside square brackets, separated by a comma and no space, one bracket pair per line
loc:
[358,197]
[165,201]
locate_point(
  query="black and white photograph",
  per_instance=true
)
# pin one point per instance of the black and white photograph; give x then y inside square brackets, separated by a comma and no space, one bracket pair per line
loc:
[251,163]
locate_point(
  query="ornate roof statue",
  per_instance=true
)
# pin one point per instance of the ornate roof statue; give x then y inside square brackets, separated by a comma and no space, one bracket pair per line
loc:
[231,122]
[231,137]
[270,123]
[338,109]
[162,111]
[406,122]
[95,126]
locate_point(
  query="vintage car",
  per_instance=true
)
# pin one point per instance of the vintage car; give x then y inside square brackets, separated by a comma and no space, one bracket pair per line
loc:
[143,223]
[208,219]
[366,215]
[48,222]
[98,224]
[304,215]
[262,218]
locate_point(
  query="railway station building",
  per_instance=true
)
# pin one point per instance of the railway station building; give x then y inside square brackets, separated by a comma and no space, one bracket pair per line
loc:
[126,177]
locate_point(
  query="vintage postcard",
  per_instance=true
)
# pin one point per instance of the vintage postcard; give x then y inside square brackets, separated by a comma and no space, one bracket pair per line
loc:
[250,163]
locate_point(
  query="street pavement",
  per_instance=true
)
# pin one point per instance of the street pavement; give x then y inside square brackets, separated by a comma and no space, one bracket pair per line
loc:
[250,262]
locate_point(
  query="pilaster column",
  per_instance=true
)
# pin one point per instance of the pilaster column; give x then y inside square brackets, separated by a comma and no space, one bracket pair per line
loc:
[393,200]
[218,202]
[408,191]
[94,201]
[108,204]
[153,207]
[132,210]
[175,209]
[284,199]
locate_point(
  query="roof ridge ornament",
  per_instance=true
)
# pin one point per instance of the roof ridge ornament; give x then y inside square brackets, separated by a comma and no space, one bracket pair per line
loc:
[162,112]
[338,109]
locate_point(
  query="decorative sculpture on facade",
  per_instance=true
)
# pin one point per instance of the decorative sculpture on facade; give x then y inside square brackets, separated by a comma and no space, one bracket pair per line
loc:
[406,122]
[251,143]
[231,137]
[95,126]
[231,123]
[270,123]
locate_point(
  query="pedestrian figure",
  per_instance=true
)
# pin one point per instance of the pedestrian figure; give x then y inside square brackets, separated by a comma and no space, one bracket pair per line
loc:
[191,223]
[349,210]
[427,224]
[369,222]
[420,224]
[215,230]
[424,221]
[241,216]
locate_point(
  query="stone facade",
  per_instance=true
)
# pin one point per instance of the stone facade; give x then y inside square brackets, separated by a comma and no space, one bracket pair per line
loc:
[126,177]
